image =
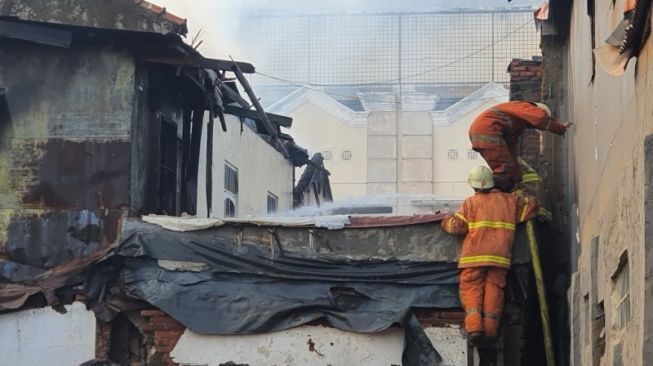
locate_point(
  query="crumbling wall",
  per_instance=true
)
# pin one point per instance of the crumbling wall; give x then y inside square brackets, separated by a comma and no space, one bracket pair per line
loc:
[46,337]
[526,84]
[553,166]
[112,14]
[612,116]
[314,345]
[64,150]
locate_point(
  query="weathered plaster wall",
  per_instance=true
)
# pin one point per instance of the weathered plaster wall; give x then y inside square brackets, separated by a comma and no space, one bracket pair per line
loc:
[261,169]
[116,14]
[612,116]
[45,337]
[64,150]
[314,345]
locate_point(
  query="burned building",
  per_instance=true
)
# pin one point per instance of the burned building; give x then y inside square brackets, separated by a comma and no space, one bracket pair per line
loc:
[105,111]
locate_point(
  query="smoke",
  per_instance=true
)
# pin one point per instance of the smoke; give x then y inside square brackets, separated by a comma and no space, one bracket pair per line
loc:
[392,200]
[216,21]
[219,20]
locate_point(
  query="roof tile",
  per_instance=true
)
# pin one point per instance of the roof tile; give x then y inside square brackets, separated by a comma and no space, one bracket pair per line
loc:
[158,10]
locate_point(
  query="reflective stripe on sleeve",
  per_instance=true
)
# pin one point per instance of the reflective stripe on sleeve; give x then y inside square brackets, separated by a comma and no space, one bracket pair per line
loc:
[491,224]
[460,216]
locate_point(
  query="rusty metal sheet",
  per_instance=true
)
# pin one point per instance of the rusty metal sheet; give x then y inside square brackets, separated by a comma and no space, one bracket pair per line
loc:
[46,239]
[13,296]
[62,174]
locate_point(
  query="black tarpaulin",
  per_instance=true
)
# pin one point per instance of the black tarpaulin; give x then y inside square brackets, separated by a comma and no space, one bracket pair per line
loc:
[243,290]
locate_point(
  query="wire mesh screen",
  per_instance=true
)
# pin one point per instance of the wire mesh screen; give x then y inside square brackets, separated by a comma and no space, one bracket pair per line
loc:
[375,49]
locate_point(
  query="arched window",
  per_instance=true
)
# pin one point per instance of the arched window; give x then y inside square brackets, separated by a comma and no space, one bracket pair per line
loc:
[229,208]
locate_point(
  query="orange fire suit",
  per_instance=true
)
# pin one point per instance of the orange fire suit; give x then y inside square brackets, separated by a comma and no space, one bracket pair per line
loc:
[495,134]
[489,221]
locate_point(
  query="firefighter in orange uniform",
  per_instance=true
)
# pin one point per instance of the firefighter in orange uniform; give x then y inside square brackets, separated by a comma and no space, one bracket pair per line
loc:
[488,218]
[495,135]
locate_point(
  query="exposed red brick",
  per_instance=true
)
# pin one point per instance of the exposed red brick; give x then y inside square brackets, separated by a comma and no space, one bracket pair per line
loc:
[164,334]
[102,340]
[158,10]
[439,318]
[162,323]
[525,84]
[153,312]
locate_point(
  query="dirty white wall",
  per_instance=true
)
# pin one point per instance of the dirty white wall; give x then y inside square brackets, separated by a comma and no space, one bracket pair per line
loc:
[45,337]
[261,169]
[612,116]
[313,345]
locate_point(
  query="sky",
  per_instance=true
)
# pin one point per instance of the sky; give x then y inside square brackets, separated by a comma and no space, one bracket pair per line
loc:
[219,19]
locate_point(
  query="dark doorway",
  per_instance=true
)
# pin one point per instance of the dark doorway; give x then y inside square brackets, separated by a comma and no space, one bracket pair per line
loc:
[169,181]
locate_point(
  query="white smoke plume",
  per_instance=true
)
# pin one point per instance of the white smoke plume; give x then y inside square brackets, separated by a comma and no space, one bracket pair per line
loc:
[219,20]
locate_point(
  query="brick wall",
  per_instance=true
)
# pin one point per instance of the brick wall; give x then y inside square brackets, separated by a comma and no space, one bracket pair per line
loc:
[526,84]
[165,333]
[439,318]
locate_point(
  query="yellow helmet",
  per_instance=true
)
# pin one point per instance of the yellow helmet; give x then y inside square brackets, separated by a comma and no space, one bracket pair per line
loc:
[481,177]
[543,107]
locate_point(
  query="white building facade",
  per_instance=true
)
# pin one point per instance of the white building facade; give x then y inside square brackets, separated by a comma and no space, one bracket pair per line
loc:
[392,148]
[249,176]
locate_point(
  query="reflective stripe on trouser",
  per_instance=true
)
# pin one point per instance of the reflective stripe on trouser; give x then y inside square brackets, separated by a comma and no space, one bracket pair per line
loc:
[482,288]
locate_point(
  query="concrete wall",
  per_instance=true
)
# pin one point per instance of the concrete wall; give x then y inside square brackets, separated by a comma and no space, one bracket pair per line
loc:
[313,345]
[322,132]
[612,116]
[261,169]
[45,337]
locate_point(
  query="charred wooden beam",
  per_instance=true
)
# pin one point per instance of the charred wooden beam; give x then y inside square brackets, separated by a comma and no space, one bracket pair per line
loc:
[248,113]
[233,95]
[269,127]
[185,158]
[216,64]
[195,141]
[195,61]
[209,165]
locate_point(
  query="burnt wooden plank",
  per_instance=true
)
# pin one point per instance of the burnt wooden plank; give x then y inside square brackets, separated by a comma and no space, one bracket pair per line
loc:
[259,108]
[209,165]
[216,64]
[248,113]
[186,60]
[271,129]
[34,33]
[232,94]
[185,158]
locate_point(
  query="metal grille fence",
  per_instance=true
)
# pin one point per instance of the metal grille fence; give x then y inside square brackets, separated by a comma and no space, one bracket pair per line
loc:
[360,50]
